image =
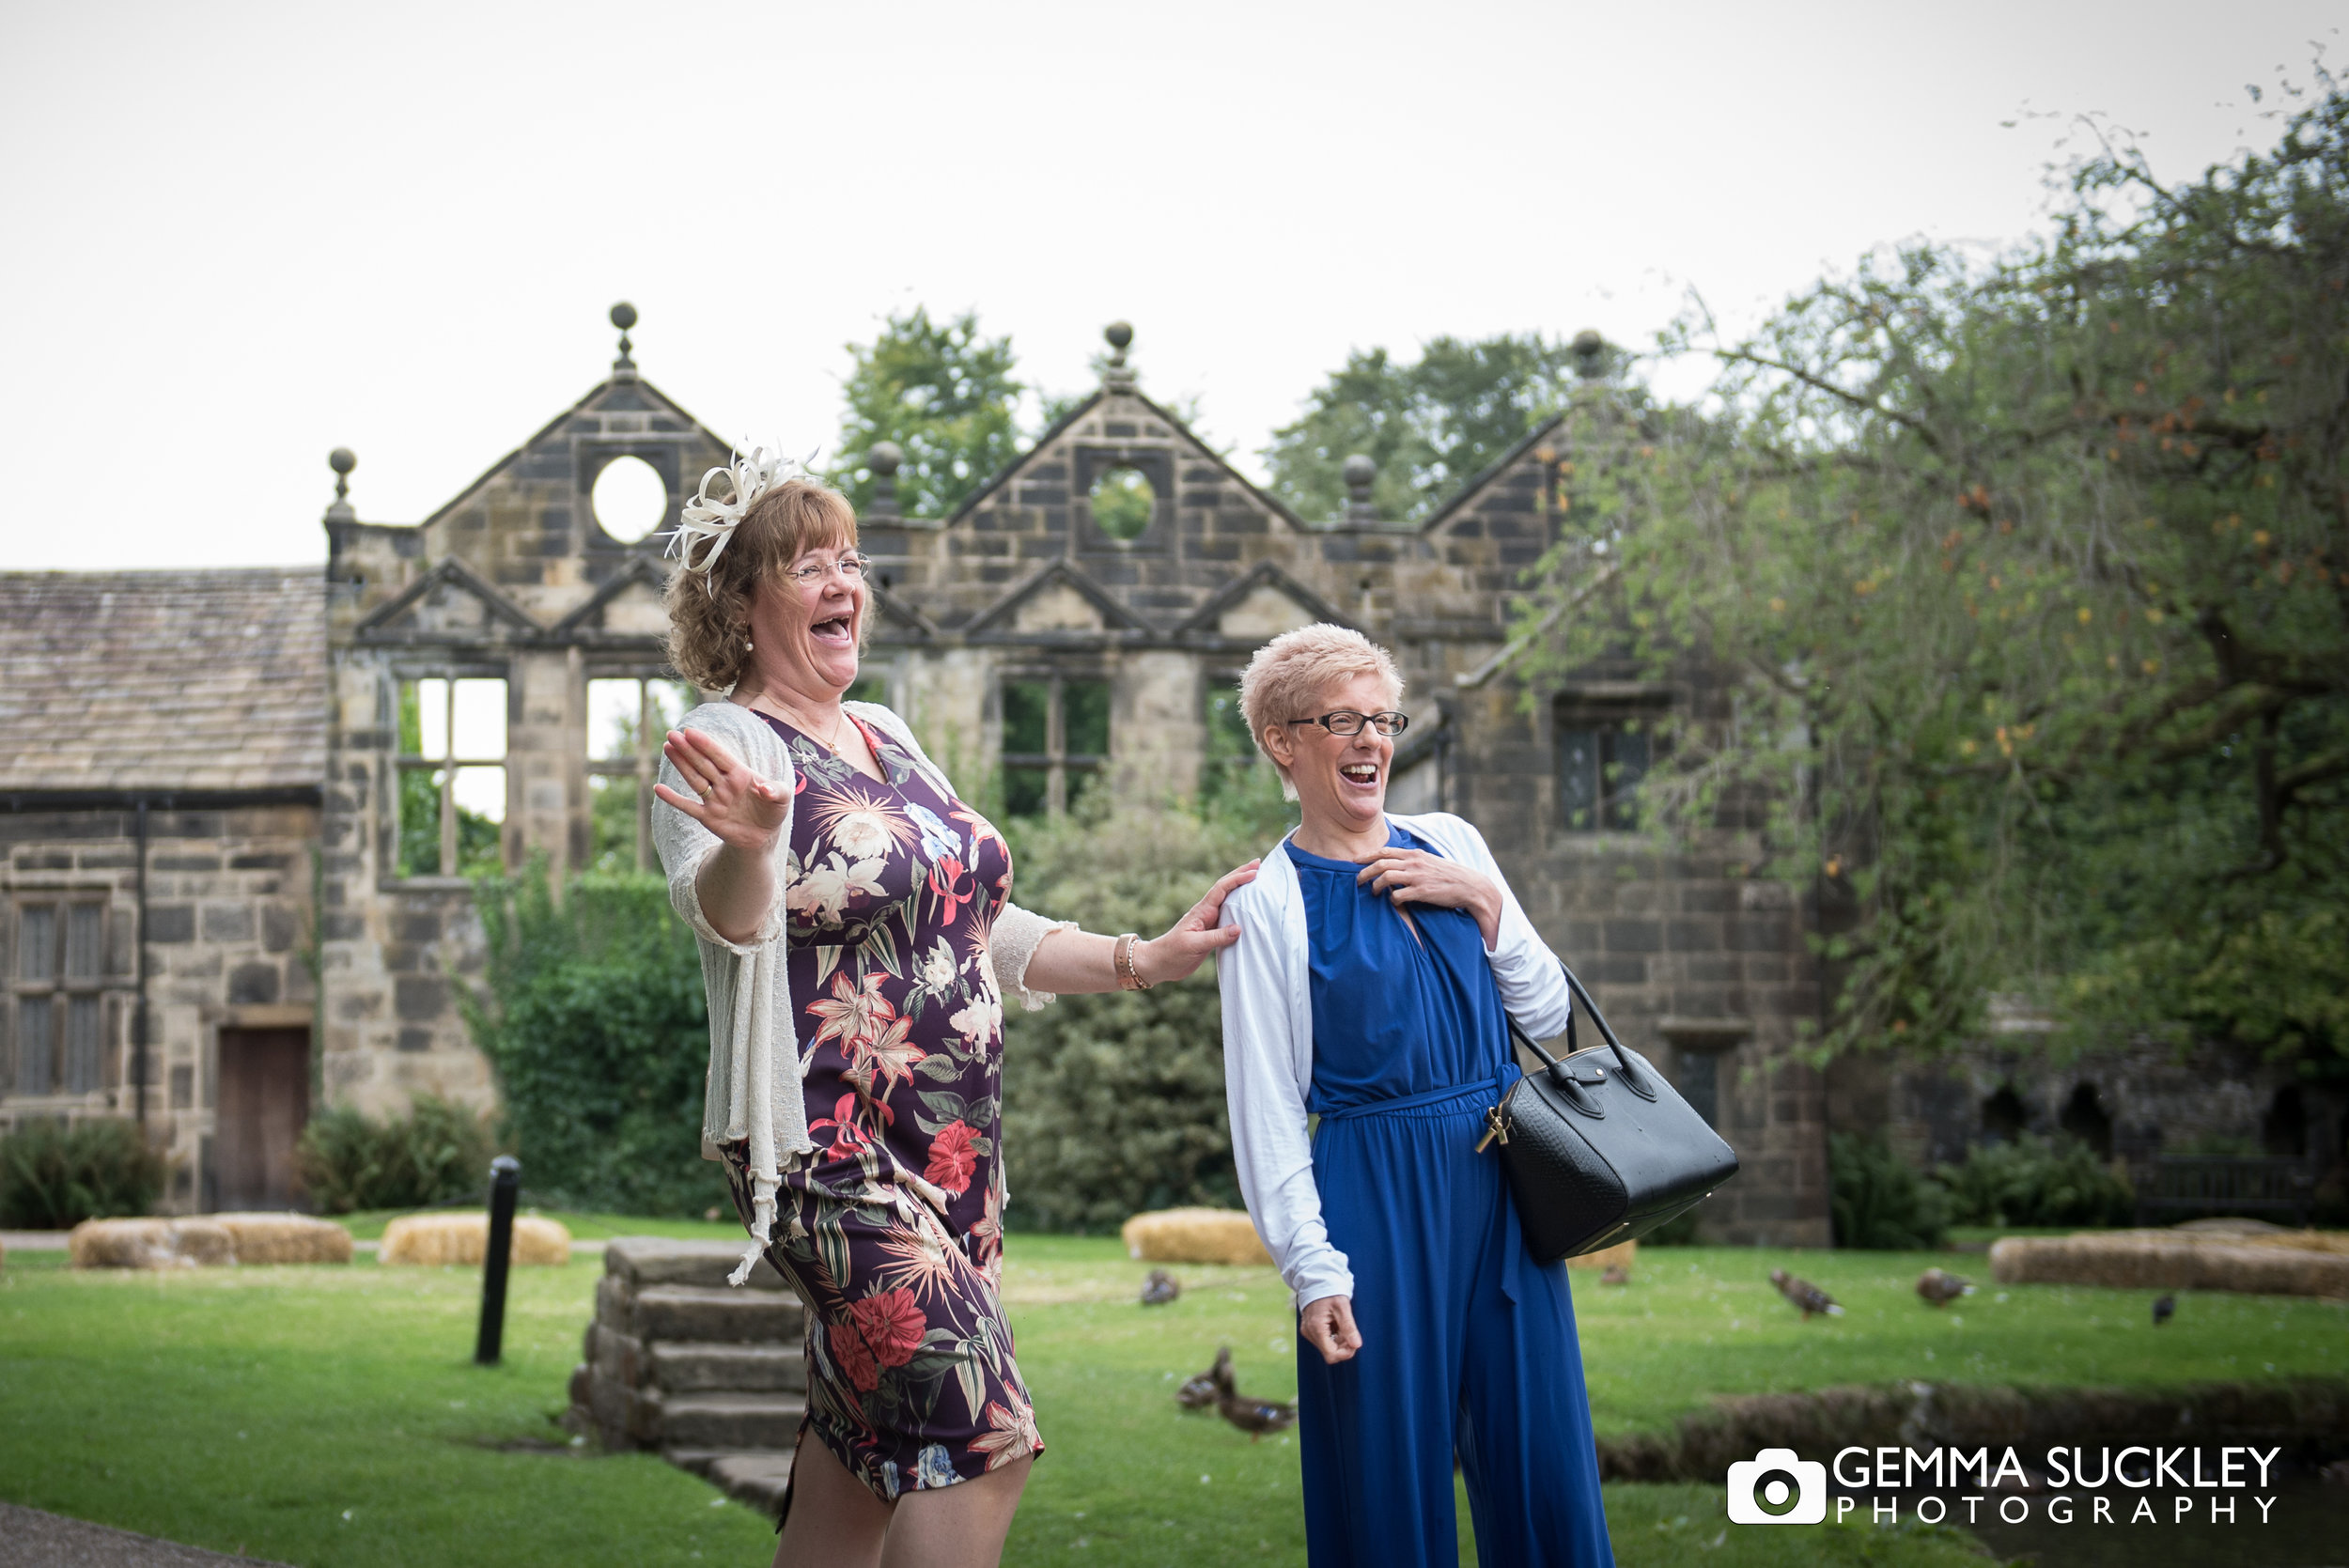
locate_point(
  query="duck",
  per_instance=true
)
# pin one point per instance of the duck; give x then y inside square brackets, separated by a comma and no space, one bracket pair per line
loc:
[1803,1293]
[1940,1288]
[1160,1288]
[2163,1308]
[1255,1417]
[1614,1274]
[1199,1392]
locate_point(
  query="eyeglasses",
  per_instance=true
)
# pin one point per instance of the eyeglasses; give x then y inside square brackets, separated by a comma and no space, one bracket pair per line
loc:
[1347,723]
[850,566]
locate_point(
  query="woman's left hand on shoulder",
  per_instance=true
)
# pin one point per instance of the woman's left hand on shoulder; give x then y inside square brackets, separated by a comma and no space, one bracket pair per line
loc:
[1190,940]
[1416,876]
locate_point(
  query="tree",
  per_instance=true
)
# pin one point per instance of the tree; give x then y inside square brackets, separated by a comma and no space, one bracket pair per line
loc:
[592,1013]
[2031,572]
[945,395]
[1430,425]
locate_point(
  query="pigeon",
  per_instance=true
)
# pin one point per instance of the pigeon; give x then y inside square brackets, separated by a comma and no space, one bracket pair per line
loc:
[1939,1289]
[1160,1288]
[1255,1417]
[1803,1293]
[1199,1392]
[2163,1307]
[1615,1274]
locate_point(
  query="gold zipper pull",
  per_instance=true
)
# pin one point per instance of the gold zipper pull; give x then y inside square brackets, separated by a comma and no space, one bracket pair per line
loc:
[1496,1129]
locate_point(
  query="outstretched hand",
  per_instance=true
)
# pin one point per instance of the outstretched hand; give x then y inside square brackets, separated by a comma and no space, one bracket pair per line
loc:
[740,808]
[1190,940]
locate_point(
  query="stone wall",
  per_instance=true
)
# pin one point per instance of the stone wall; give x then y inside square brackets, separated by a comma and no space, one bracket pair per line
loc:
[229,944]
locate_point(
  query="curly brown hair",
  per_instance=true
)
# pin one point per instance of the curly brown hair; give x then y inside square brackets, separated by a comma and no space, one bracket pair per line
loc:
[709,613]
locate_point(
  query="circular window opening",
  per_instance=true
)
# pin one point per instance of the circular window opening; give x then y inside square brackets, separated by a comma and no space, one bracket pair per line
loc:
[1122,502]
[630,499]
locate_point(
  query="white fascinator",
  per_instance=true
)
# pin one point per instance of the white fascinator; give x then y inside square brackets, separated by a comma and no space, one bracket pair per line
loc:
[707,522]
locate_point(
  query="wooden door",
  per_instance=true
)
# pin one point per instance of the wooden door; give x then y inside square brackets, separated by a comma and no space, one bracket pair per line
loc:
[264,1103]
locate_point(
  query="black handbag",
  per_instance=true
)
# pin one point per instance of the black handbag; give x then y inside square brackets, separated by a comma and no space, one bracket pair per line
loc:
[1599,1148]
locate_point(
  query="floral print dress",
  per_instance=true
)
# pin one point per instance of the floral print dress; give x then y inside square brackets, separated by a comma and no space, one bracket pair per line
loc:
[892,1231]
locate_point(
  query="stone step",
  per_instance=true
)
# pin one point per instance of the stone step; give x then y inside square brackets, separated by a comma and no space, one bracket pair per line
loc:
[686,1368]
[755,1478]
[726,1420]
[713,1313]
[645,1260]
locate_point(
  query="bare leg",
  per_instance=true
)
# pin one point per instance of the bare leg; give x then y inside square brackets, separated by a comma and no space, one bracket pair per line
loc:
[835,1522]
[960,1527]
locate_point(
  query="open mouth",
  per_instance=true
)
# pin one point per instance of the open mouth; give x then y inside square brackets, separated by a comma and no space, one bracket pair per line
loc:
[1363,775]
[835,631]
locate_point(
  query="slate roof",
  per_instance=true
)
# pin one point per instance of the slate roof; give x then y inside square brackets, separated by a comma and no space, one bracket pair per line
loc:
[211,680]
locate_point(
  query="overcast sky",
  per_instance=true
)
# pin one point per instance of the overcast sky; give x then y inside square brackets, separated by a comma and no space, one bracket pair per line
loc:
[240,234]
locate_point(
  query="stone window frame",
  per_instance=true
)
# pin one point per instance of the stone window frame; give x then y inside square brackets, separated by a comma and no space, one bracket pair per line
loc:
[402,763]
[644,764]
[67,992]
[1056,760]
[1604,712]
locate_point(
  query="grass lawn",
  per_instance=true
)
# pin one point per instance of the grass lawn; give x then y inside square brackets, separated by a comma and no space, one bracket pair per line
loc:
[331,1416]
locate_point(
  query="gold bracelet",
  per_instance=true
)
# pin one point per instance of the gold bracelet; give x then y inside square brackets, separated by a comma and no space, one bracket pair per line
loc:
[1122,960]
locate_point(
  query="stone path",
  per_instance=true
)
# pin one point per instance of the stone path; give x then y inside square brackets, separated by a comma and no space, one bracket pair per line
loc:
[31,1539]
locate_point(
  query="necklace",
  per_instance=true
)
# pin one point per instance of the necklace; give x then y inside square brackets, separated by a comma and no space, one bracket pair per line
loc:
[830,739]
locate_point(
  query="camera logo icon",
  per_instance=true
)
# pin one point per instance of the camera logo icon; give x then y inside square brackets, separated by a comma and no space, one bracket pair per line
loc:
[1776,1488]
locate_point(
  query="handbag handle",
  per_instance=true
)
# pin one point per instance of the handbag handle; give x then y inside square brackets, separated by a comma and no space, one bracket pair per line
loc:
[1633,1080]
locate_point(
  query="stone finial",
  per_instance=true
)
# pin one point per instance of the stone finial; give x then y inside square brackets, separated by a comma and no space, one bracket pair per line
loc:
[624,317]
[885,458]
[342,461]
[1118,376]
[1360,471]
[1589,355]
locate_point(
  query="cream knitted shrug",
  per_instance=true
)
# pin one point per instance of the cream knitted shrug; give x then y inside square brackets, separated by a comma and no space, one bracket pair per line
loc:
[756,1068]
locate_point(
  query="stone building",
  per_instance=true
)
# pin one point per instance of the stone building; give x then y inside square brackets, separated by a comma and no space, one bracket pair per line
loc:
[162,746]
[292,827]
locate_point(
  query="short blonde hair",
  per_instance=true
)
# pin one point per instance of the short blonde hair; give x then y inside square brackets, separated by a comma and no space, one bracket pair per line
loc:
[1296,667]
[709,613]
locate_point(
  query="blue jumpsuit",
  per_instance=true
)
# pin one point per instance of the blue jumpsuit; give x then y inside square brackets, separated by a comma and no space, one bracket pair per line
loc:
[1468,1346]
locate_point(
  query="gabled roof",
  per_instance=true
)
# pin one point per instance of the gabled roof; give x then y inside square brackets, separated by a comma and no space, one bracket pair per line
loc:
[641,568]
[451,572]
[99,687]
[1492,471]
[1207,454]
[1267,574]
[603,392]
[1113,615]
[899,611]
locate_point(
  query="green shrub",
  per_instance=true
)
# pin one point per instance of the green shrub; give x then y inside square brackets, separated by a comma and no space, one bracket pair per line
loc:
[2038,1181]
[1878,1201]
[1113,1104]
[595,1022]
[435,1153]
[53,1176]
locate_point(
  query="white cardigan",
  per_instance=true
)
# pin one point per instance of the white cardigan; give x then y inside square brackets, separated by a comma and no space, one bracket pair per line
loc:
[1267,981]
[754,1093]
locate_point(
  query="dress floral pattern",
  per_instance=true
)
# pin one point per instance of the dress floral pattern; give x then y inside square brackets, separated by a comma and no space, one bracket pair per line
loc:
[892,1232]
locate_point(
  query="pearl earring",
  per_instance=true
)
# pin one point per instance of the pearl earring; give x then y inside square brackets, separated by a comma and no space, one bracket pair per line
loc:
[747,646]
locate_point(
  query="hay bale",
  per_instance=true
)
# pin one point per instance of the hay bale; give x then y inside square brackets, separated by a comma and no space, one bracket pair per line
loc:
[465,1238]
[150,1244]
[1194,1235]
[263,1238]
[2163,1259]
[1624,1253]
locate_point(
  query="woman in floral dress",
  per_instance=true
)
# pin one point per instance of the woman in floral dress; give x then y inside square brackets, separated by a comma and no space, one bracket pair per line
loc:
[858,940]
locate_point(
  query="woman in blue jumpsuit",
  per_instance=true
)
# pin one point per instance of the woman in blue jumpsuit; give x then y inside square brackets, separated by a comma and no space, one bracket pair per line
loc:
[1427,1330]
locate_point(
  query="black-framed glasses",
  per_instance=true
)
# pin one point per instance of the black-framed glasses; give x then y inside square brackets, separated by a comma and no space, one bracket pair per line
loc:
[851,566]
[1345,722]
